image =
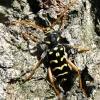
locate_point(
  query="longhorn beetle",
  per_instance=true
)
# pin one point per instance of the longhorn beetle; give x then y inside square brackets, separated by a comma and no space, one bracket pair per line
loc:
[57,62]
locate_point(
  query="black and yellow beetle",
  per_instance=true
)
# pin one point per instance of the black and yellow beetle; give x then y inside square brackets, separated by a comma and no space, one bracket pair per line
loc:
[55,52]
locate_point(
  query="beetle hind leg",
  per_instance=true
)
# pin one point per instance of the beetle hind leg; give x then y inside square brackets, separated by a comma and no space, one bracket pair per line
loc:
[52,82]
[79,76]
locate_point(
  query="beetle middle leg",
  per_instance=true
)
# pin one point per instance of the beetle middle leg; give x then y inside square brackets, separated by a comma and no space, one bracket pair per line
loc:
[81,49]
[42,57]
[27,78]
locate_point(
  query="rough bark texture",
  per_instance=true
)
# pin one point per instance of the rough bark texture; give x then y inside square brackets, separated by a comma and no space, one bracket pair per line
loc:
[19,55]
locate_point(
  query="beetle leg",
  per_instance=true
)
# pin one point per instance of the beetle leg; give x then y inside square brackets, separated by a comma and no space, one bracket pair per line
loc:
[27,78]
[81,49]
[79,76]
[31,37]
[52,82]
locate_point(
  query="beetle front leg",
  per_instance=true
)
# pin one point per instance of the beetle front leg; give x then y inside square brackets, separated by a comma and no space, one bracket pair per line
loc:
[29,36]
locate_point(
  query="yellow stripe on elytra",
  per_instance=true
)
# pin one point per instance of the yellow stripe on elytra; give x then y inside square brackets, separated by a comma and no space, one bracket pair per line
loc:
[55,48]
[63,80]
[48,42]
[55,61]
[58,38]
[50,53]
[62,58]
[62,74]
[60,68]
[57,54]
[61,49]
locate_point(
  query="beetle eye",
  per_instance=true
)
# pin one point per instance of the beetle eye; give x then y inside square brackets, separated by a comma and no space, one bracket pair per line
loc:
[53,39]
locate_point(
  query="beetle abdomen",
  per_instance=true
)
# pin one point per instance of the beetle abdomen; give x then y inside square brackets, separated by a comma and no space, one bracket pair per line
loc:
[57,62]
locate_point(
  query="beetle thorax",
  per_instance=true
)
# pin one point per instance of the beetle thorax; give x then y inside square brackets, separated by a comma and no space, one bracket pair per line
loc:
[51,40]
